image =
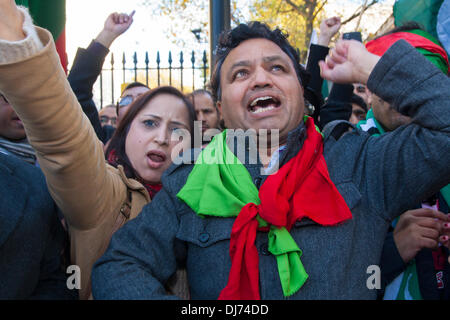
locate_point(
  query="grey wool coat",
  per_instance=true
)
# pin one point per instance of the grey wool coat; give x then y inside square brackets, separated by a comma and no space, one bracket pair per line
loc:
[378,177]
[31,236]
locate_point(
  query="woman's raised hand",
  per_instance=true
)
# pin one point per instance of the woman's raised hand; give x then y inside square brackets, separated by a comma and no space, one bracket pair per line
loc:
[11,21]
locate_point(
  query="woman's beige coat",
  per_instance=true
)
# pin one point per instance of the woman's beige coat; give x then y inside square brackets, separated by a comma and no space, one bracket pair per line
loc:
[95,198]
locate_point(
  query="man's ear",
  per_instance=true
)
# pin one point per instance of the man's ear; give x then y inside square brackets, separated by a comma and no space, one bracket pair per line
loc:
[219,107]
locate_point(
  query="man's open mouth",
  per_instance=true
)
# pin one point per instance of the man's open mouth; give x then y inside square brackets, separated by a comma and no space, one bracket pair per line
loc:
[263,104]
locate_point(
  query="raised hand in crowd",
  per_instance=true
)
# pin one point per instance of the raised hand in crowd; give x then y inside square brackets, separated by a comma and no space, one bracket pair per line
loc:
[348,62]
[115,25]
[328,28]
[418,229]
[11,21]
[87,66]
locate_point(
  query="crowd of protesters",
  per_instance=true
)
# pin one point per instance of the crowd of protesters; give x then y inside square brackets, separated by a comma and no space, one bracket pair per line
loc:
[274,201]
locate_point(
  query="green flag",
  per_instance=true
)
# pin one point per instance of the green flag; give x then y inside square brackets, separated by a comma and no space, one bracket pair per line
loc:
[422,11]
[51,15]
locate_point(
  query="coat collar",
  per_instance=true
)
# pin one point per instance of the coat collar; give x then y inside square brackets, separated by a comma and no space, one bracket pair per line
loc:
[294,143]
[132,183]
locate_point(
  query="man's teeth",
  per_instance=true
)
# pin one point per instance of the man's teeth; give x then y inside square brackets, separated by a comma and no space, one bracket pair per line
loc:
[259,110]
[259,99]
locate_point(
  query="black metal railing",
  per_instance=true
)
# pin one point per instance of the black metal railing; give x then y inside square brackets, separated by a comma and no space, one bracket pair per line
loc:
[186,77]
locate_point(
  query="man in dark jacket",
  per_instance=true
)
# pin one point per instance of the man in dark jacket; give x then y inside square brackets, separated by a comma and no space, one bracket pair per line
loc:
[32,239]
[315,228]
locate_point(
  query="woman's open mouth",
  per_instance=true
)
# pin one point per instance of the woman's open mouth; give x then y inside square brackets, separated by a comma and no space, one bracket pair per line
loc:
[156,159]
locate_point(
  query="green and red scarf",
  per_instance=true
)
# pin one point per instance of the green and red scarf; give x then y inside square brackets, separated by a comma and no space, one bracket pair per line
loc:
[422,41]
[220,185]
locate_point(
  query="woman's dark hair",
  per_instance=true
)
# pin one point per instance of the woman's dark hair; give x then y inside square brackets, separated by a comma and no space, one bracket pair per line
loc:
[229,40]
[115,153]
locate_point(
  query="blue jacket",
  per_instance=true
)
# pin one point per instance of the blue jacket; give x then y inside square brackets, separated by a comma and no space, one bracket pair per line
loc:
[31,235]
[378,177]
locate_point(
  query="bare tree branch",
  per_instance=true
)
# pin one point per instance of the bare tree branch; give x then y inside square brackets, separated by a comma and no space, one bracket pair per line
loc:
[293,5]
[320,9]
[358,12]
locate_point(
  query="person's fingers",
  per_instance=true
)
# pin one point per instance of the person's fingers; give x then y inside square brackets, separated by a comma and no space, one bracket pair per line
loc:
[430,233]
[329,22]
[330,62]
[431,219]
[446,227]
[332,21]
[431,223]
[341,47]
[130,17]
[426,212]
[337,57]
[115,17]
[124,18]
[428,243]
[445,231]
[445,240]
[324,69]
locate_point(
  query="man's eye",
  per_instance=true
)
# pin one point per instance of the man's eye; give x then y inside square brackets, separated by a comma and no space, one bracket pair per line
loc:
[240,74]
[277,68]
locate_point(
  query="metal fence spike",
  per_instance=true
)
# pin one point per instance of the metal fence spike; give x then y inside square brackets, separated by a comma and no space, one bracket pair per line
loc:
[162,72]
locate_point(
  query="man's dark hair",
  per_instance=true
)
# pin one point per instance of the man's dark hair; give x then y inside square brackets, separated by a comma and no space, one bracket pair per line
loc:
[359,101]
[229,40]
[200,92]
[134,85]
[131,85]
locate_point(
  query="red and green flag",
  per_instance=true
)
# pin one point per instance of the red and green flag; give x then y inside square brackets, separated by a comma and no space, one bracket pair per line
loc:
[424,12]
[51,15]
